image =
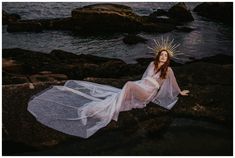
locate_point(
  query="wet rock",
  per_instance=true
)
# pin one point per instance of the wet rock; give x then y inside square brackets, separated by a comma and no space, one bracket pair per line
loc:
[159,12]
[133,39]
[180,12]
[30,62]
[47,77]
[210,95]
[8,18]
[217,59]
[210,98]
[20,62]
[9,78]
[106,16]
[175,16]
[10,148]
[29,131]
[219,11]
[10,65]
[96,19]
[20,26]
[57,23]
[41,24]
[163,20]
[185,29]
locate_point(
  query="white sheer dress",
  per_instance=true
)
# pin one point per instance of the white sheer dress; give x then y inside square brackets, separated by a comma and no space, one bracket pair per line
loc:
[80,108]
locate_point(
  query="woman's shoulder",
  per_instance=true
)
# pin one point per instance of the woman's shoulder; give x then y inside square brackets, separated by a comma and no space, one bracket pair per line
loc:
[169,68]
[151,63]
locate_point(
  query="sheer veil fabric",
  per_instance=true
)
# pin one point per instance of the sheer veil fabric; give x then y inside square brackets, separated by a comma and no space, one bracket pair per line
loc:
[80,108]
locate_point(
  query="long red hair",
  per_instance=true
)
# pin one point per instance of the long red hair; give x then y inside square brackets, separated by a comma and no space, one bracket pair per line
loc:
[164,67]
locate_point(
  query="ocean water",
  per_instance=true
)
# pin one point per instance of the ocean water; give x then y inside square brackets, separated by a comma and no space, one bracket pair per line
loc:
[209,38]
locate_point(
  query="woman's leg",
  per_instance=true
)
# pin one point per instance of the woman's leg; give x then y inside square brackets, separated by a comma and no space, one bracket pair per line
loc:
[132,90]
[135,90]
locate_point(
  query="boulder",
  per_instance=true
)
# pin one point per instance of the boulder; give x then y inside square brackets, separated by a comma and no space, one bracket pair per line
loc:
[8,18]
[96,19]
[159,12]
[20,26]
[21,65]
[218,11]
[106,17]
[180,12]
[41,24]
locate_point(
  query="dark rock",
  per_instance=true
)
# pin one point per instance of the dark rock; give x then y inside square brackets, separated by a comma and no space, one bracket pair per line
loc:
[20,26]
[180,12]
[10,148]
[44,137]
[63,56]
[210,97]
[30,62]
[18,63]
[47,77]
[57,23]
[17,16]
[159,12]
[158,27]
[24,122]
[219,59]
[184,29]
[41,24]
[97,19]
[54,24]
[220,11]
[106,17]
[133,39]
[158,19]
[204,102]
[8,18]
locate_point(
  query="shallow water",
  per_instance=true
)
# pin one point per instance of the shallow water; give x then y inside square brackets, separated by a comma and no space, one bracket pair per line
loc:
[208,39]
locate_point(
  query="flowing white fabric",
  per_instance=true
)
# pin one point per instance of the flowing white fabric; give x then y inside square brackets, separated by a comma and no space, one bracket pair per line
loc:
[81,108]
[169,89]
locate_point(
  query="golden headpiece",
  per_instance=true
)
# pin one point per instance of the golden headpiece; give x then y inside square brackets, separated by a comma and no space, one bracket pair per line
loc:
[165,44]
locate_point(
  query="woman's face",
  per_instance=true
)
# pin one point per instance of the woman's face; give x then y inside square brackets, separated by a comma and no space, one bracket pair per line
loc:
[163,56]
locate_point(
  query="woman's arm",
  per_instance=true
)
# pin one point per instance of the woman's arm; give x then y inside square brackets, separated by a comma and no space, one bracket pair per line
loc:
[175,84]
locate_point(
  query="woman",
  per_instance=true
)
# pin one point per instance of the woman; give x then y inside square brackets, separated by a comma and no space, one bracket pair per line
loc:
[80,108]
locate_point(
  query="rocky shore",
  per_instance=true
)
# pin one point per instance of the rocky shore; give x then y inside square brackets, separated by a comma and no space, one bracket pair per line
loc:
[26,73]
[108,17]
[104,17]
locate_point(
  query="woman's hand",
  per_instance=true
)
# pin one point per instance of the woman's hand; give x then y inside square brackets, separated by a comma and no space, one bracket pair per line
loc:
[184,92]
